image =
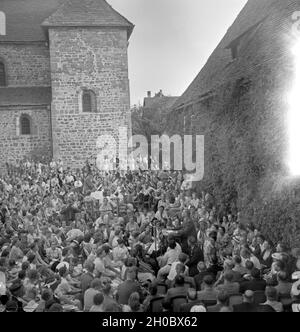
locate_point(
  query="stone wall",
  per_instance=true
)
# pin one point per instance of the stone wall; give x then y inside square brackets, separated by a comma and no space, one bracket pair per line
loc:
[26,64]
[14,146]
[94,59]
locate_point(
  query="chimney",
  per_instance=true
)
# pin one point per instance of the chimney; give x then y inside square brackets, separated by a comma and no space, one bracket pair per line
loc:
[149,94]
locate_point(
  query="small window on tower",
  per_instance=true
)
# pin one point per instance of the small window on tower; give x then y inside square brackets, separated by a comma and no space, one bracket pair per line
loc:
[89,104]
[2,74]
[25,125]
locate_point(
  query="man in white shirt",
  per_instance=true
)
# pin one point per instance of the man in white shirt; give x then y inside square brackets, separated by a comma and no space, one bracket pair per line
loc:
[78,184]
[2,281]
[246,255]
[53,164]
[182,259]
[167,260]
[161,214]
[100,269]
[120,253]
[69,178]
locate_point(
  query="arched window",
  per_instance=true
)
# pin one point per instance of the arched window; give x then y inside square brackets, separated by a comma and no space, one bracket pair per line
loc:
[25,125]
[89,103]
[2,74]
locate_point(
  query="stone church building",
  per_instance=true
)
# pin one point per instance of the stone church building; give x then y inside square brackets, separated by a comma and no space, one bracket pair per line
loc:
[63,79]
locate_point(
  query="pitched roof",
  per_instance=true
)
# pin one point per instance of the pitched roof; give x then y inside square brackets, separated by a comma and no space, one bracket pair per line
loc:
[24,18]
[25,96]
[87,13]
[209,77]
[162,102]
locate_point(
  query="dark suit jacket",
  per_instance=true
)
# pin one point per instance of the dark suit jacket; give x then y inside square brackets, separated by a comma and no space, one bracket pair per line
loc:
[188,229]
[69,213]
[195,256]
[173,292]
[253,285]
[188,280]
[268,262]
[265,308]
[126,289]
[215,308]
[245,307]
[199,279]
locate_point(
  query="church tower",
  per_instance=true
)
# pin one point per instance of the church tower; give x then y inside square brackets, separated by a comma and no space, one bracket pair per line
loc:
[88,43]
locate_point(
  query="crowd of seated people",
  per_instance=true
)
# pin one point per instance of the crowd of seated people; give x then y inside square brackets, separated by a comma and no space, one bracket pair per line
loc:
[132,241]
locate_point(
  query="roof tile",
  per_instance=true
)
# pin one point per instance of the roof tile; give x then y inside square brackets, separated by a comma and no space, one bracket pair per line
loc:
[25,96]
[209,77]
[87,13]
[27,20]
[24,19]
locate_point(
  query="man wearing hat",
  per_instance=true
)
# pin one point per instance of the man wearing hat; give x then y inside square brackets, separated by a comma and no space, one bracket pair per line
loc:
[198,308]
[120,253]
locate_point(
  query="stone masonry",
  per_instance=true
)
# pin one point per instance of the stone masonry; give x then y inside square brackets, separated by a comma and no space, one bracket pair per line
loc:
[52,52]
[90,59]
[14,146]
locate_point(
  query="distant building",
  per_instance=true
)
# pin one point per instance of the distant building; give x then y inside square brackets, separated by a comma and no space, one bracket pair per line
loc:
[158,106]
[63,78]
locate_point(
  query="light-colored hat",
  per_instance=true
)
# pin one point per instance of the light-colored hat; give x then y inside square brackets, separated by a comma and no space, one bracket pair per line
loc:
[296,289]
[296,275]
[62,264]
[249,294]
[30,307]
[277,256]
[198,308]
[296,307]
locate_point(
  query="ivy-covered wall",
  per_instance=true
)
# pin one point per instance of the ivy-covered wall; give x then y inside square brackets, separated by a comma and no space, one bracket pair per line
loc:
[244,121]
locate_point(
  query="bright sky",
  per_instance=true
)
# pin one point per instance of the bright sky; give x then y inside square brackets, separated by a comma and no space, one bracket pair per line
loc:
[172,40]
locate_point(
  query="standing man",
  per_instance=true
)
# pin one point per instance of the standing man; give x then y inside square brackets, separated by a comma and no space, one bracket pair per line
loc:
[195,256]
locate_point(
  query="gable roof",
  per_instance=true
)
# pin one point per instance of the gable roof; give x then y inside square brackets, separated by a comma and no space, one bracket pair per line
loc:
[27,20]
[163,102]
[87,13]
[24,19]
[25,96]
[253,13]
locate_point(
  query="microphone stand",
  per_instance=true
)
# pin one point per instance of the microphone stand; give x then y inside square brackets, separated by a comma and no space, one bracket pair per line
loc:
[154,234]
[155,240]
